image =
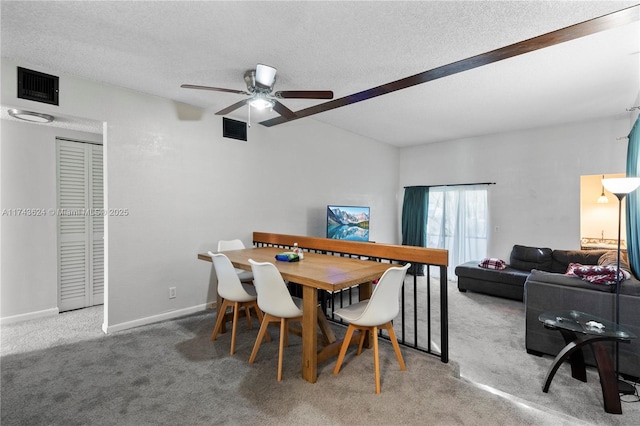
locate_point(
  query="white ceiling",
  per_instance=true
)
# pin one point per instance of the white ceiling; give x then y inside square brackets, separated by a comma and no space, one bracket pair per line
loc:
[154,47]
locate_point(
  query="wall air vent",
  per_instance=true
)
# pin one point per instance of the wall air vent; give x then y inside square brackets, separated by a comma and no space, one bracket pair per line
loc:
[37,86]
[234,129]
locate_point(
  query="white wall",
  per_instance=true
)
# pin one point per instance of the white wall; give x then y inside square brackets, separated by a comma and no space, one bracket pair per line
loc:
[29,243]
[536,198]
[186,187]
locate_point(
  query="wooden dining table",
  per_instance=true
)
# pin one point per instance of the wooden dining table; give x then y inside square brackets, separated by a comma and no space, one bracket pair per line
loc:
[314,272]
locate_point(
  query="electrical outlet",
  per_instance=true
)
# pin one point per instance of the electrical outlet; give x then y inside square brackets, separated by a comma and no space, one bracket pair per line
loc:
[172,292]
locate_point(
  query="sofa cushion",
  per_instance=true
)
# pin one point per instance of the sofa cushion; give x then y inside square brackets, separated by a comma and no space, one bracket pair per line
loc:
[611,258]
[507,276]
[527,258]
[562,258]
[568,281]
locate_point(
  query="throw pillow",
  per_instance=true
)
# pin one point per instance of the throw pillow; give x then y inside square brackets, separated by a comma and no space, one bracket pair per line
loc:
[492,263]
[596,274]
[611,258]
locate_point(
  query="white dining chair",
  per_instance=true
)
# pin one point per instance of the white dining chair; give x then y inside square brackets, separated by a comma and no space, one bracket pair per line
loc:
[225,245]
[235,295]
[372,314]
[276,303]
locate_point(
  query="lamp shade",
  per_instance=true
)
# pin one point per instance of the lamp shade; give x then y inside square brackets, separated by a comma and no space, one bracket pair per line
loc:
[620,186]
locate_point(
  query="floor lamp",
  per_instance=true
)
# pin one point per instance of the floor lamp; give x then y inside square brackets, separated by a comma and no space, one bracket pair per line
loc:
[620,187]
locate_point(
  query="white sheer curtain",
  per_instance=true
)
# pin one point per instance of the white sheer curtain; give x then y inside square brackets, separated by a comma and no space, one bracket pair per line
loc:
[458,221]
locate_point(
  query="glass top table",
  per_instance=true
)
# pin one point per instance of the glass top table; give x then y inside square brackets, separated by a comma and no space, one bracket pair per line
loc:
[580,329]
[581,322]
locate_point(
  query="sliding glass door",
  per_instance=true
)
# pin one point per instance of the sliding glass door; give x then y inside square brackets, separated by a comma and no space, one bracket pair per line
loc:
[458,220]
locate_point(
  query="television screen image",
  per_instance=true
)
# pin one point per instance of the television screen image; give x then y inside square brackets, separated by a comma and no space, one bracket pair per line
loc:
[348,223]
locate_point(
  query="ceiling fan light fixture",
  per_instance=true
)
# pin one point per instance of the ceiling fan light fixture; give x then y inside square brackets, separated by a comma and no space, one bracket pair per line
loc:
[34,117]
[265,75]
[259,87]
[261,103]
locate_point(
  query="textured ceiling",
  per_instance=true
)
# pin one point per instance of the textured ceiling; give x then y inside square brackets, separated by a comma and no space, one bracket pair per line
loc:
[347,47]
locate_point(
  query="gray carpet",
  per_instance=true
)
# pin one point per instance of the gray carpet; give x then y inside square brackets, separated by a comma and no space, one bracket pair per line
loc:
[64,371]
[492,353]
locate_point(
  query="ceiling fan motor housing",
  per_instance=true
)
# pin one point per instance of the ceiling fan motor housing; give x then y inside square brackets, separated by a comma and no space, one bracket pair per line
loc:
[254,86]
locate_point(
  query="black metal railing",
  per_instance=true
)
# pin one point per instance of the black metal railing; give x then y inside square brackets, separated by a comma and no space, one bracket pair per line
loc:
[421,325]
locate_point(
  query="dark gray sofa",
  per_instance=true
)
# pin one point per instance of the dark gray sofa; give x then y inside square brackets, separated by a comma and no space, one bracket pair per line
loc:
[546,291]
[509,282]
[537,276]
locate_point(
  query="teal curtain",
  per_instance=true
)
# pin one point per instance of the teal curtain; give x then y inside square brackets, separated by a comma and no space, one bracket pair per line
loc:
[414,220]
[633,200]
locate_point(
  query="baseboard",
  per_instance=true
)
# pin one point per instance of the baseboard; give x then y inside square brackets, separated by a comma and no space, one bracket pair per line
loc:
[30,316]
[153,319]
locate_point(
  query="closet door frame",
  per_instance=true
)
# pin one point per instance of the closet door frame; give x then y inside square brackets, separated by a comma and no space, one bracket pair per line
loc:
[79,182]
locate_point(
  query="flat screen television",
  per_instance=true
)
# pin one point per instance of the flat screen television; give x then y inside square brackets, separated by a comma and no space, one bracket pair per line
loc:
[348,223]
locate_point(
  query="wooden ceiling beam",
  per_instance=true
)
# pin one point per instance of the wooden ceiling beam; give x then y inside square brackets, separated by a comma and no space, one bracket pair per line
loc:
[582,29]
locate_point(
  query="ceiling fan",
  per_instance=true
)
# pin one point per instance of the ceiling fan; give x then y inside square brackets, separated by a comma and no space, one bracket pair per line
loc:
[259,87]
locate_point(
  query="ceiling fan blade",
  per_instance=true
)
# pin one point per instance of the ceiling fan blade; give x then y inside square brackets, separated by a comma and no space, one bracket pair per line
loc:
[265,75]
[215,89]
[304,94]
[283,110]
[233,107]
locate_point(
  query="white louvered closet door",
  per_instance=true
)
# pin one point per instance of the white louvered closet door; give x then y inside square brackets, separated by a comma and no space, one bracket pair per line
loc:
[80,225]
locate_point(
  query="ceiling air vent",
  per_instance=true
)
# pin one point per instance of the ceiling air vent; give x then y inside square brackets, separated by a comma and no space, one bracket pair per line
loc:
[37,86]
